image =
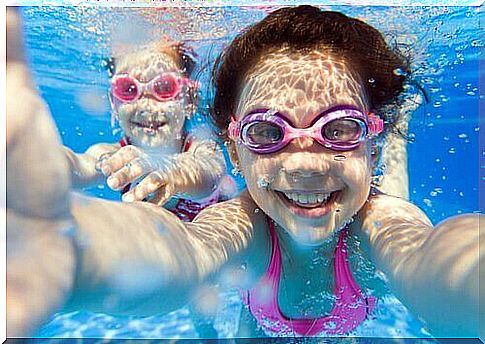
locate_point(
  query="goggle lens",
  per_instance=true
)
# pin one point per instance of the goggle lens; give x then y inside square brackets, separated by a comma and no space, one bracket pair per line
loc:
[263,134]
[342,130]
[166,87]
[125,89]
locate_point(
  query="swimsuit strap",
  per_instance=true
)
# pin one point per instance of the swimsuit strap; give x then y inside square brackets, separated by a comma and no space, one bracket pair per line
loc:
[350,309]
[125,141]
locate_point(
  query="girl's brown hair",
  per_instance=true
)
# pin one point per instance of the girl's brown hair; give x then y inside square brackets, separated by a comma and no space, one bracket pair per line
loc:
[305,27]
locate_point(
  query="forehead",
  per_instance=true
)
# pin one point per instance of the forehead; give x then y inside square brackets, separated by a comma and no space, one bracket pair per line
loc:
[146,63]
[301,85]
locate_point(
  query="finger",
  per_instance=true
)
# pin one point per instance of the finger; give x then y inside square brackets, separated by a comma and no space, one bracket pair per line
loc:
[153,182]
[102,159]
[163,195]
[131,172]
[119,159]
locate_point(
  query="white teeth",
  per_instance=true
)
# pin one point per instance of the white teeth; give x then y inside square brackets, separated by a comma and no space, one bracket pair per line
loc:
[307,198]
[303,199]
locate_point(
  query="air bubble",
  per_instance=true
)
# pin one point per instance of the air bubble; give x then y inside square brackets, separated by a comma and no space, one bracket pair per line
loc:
[372,80]
[399,71]
[340,158]
[463,136]
[263,183]
[451,150]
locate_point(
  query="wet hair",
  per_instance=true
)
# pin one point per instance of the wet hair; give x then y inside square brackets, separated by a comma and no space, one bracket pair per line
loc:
[182,54]
[382,70]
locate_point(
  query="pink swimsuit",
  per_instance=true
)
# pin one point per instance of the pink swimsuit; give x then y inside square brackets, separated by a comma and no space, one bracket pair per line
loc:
[350,309]
[185,209]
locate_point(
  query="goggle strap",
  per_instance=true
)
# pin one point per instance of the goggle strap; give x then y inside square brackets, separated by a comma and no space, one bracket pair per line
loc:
[376,124]
[234,129]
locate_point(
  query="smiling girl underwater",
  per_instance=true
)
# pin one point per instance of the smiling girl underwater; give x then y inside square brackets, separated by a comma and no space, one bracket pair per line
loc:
[293,97]
[152,98]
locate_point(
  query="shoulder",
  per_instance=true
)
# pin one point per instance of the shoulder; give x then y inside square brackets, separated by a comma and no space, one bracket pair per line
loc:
[240,209]
[391,208]
[239,226]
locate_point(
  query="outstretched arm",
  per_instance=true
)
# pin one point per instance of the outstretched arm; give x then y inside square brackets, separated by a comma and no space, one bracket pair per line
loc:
[40,265]
[138,258]
[85,167]
[433,270]
[135,258]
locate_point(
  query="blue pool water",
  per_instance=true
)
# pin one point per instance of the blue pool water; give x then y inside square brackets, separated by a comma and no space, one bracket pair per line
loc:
[67,44]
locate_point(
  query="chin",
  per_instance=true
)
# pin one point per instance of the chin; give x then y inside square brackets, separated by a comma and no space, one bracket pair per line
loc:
[312,233]
[312,225]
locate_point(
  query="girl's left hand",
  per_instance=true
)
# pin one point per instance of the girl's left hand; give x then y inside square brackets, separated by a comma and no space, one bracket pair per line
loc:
[126,166]
[130,164]
[158,183]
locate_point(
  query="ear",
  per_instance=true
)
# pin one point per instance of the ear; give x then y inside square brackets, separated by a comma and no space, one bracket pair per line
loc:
[109,64]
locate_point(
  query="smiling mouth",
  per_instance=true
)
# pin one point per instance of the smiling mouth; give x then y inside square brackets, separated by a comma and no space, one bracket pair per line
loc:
[309,204]
[151,125]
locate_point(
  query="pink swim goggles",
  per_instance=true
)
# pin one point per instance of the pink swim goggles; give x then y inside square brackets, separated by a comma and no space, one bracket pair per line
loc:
[341,129]
[164,87]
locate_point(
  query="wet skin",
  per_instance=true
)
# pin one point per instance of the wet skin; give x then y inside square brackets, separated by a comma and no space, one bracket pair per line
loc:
[302,86]
[148,122]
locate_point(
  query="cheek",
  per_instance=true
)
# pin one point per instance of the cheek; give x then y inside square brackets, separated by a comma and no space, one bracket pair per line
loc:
[259,171]
[125,111]
[254,166]
[356,170]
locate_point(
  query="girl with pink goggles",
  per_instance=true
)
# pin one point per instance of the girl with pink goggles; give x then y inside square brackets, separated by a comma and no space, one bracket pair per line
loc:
[266,131]
[164,87]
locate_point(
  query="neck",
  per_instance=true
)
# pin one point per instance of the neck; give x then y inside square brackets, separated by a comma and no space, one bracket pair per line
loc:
[307,276]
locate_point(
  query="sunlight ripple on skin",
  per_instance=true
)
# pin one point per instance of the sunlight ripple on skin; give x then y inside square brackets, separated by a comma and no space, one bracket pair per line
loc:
[302,85]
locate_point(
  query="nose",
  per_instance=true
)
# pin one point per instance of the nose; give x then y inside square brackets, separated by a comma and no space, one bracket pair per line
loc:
[307,165]
[303,142]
